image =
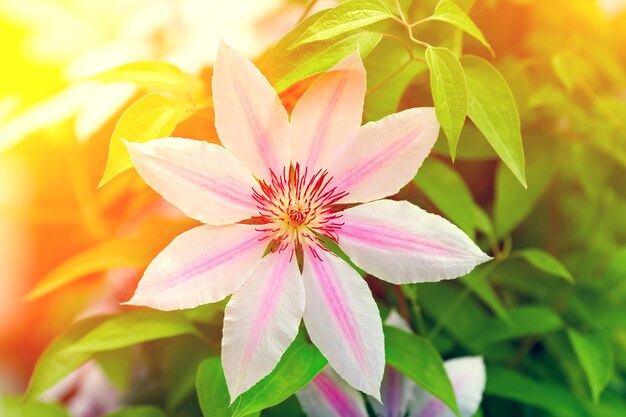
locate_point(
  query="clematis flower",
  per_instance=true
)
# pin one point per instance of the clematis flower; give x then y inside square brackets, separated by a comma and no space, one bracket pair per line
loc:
[270,196]
[328,396]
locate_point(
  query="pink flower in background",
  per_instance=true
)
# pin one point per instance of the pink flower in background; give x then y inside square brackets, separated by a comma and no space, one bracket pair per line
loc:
[329,396]
[269,197]
[87,392]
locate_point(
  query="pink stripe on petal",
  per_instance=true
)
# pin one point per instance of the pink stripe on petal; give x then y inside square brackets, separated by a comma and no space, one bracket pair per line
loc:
[343,321]
[336,398]
[401,243]
[392,239]
[357,174]
[273,289]
[336,301]
[260,322]
[249,117]
[203,265]
[211,261]
[322,128]
[202,179]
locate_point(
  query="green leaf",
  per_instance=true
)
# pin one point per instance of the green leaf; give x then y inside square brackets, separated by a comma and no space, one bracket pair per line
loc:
[104,256]
[117,366]
[510,385]
[343,18]
[133,328]
[492,108]
[152,116]
[513,203]
[300,363]
[448,191]
[299,64]
[416,358]
[449,12]
[55,363]
[523,321]
[545,262]
[595,354]
[212,390]
[384,93]
[154,75]
[138,411]
[477,281]
[449,91]
[13,407]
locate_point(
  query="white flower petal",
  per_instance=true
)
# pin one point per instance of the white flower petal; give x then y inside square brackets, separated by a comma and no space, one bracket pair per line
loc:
[202,179]
[400,243]
[328,114]
[385,155]
[261,320]
[203,265]
[343,321]
[249,117]
[468,379]
[327,395]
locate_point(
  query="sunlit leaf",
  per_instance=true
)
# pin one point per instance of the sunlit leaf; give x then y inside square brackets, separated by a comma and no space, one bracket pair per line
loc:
[135,252]
[12,407]
[595,354]
[345,17]
[153,75]
[55,363]
[545,262]
[296,65]
[492,108]
[385,92]
[449,91]
[449,12]
[448,191]
[129,329]
[152,116]
[416,358]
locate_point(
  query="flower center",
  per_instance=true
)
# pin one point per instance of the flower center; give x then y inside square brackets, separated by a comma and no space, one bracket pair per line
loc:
[297,209]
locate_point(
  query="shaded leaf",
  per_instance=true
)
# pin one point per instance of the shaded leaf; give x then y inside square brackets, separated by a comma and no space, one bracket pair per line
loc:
[345,17]
[212,390]
[416,358]
[545,262]
[595,354]
[509,384]
[132,328]
[492,108]
[513,203]
[477,281]
[449,91]
[523,321]
[138,411]
[151,117]
[448,191]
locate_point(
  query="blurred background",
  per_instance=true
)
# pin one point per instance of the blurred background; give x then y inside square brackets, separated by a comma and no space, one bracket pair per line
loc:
[564,60]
